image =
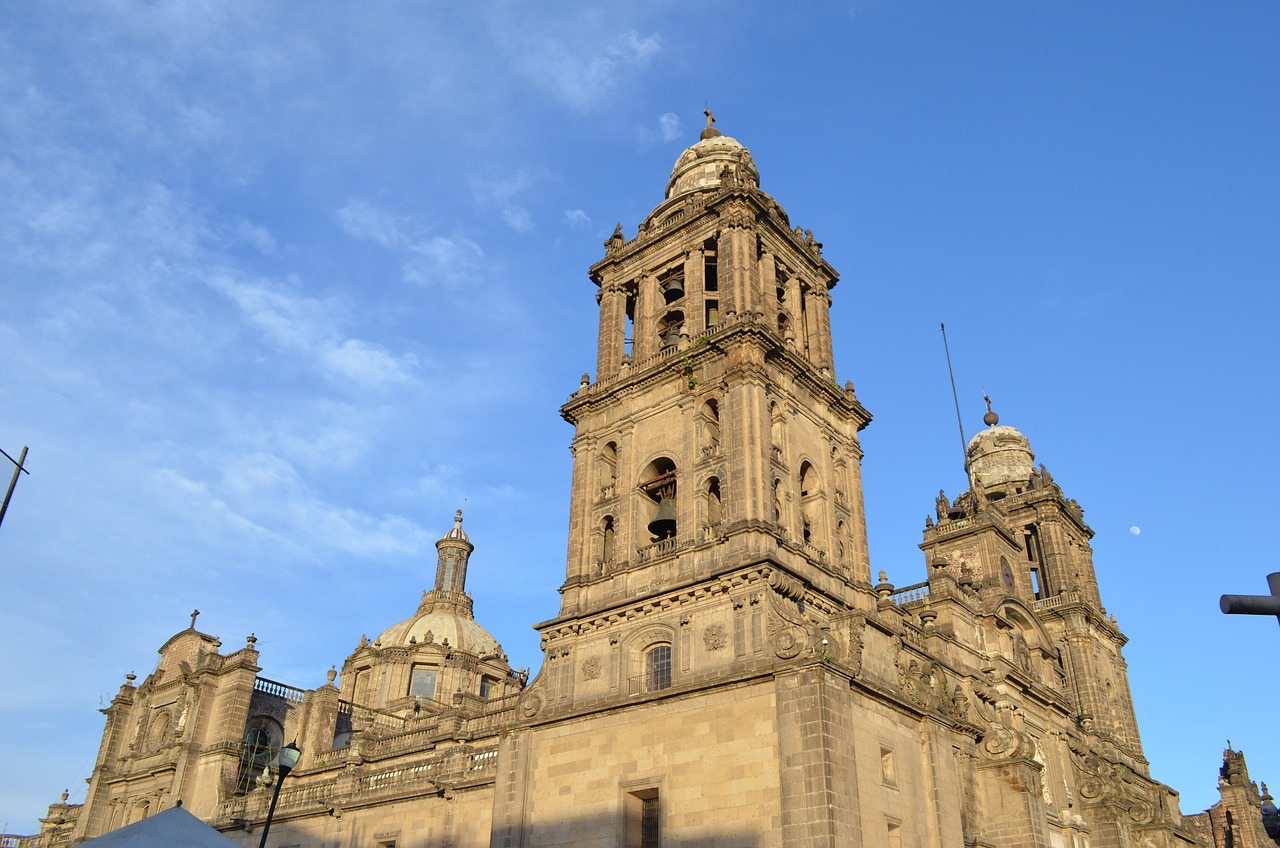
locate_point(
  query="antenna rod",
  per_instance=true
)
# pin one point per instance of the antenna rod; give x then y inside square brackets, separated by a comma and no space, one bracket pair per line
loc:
[18,470]
[964,443]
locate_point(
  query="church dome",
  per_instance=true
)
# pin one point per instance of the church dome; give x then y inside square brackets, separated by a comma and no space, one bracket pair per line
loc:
[1000,456]
[437,626]
[702,166]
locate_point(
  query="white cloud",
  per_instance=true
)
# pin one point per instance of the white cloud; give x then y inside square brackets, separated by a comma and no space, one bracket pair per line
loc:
[577,218]
[669,126]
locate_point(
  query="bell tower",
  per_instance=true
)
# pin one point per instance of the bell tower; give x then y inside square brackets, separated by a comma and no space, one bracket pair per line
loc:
[715,446]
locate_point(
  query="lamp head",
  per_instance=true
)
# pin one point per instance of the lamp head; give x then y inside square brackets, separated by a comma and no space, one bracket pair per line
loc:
[288,758]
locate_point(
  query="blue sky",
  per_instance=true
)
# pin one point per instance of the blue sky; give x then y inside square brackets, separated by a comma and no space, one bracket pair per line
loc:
[285,285]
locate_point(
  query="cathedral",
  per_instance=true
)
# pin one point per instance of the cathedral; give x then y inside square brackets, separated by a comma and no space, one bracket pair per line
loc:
[727,668]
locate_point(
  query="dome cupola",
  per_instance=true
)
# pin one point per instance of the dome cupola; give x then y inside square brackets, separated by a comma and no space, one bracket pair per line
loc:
[1000,457]
[708,164]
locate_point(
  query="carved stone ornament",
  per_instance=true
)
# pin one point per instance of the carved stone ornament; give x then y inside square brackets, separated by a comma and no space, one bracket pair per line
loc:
[591,668]
[786,644]
[714,637]
[1113,785]
[531,704]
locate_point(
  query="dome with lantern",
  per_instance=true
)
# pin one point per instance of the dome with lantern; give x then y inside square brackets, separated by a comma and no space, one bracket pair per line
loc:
[437,655]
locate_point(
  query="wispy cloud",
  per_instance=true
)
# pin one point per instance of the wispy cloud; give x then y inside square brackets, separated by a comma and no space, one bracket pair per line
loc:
[577,219]
[583,71]
[309,328]
[428,259]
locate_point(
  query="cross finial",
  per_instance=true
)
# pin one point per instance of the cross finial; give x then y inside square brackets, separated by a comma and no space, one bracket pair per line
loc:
[711,119]
[194,613]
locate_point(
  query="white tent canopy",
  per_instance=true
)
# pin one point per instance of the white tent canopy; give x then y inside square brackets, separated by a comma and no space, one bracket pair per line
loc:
[173,828]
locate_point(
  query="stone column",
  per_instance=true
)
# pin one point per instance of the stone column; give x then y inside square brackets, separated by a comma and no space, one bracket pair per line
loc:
[818,785]
[695,296]
[613,327]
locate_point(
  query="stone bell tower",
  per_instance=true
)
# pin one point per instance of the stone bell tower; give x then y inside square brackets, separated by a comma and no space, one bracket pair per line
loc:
[715,436]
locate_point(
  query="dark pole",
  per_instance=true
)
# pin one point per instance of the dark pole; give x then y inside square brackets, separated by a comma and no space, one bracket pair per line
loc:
[1255,604]
[964,446]
[18,469]
[286,761]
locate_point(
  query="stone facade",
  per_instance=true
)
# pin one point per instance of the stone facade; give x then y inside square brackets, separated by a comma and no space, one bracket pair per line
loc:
[724,669]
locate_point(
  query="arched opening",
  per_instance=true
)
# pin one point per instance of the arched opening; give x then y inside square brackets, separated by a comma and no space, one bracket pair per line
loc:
[714,506]
[710,427]
[609,541]
[262,739]
[776,430]
[670,329]
[658,506]
[671,283]
[777,501]
[810,504]
[608,469]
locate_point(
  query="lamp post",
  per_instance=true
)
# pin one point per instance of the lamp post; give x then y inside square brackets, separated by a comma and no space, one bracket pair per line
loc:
[1255,604]
[285,762]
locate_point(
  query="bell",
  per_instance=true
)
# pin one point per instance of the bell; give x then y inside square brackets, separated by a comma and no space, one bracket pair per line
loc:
[673,289]
[672,337]
[663,525]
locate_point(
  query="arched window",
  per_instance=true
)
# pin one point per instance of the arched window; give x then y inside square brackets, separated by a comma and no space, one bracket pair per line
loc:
[777,501]
[261,741]
[657,668]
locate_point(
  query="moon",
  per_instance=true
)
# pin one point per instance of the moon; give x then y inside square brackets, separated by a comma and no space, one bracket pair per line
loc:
[1135,530]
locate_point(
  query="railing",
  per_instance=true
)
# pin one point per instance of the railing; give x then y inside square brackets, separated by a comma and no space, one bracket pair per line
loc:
[956,524]
[279,690]
[379,718]
[1058,600]
[657,550]
[652,682]
[914,593]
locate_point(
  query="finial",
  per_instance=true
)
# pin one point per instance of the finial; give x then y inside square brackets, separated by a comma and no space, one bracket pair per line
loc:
[66,793]
[457,519]
[130,677]
[331,673]
[194,613]
[990,419]
[586,380]
[710,131]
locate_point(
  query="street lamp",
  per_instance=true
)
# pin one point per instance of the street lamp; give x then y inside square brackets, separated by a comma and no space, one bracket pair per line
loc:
[285,762]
